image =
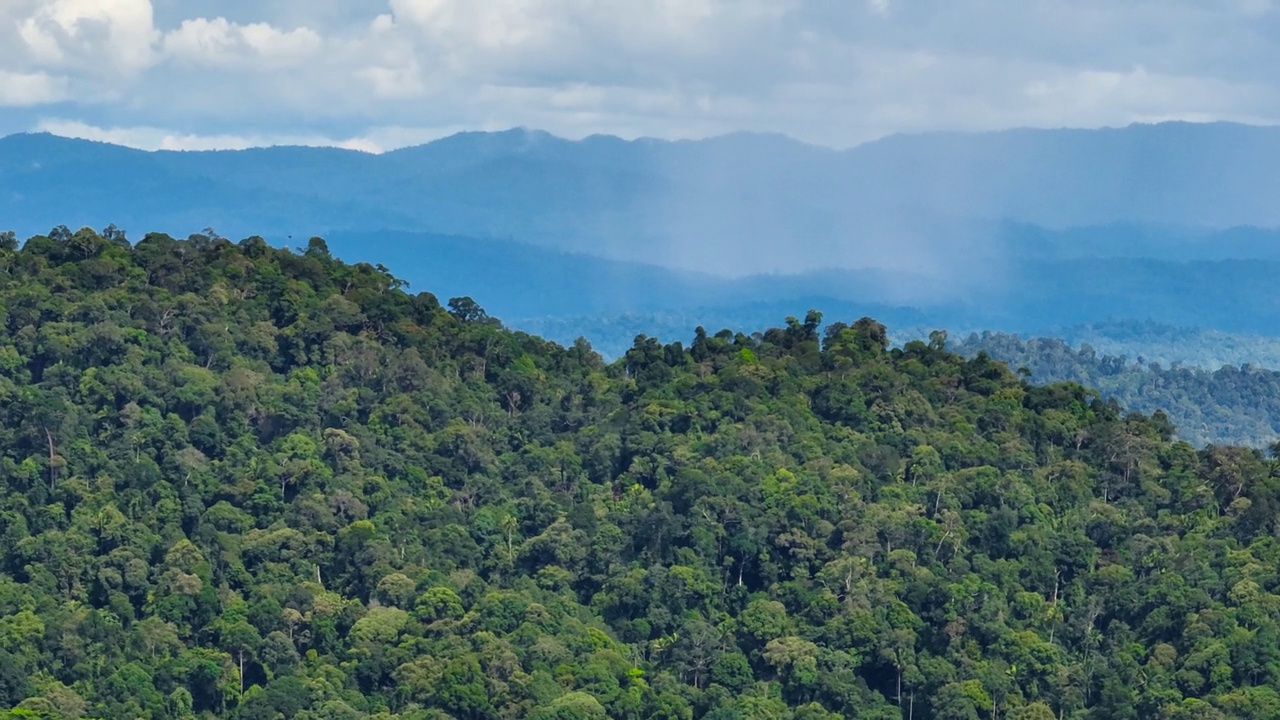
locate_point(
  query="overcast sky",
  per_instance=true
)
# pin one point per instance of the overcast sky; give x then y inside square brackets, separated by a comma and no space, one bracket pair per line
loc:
[377,74]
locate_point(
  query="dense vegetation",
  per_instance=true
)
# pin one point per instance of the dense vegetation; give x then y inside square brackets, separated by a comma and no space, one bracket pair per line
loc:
[612,335]
[254,483]
[1230,405]
[1168,344]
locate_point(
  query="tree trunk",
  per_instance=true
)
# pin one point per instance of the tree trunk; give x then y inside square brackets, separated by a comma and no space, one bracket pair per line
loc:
[53,470]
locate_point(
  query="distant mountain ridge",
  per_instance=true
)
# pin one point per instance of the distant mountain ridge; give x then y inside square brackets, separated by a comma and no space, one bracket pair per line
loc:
[519,281]
[1211,175]
[562,295]
[737,205]
[1021,230]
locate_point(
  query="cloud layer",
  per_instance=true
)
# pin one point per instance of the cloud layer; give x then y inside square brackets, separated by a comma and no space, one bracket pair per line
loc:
[376,74]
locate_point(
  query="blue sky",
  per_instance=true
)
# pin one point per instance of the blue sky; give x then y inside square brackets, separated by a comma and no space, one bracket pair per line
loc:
[378,74]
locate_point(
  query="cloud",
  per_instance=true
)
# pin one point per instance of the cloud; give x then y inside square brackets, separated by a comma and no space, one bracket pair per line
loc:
[831,73]
[395,83]
[1087,97]
[152,138]
[374,140]
[222,44]
[96,37]
[30,89]
[543,42]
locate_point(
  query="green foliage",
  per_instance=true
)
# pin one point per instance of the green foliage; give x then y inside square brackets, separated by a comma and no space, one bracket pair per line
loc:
[1229,405]
[252,483]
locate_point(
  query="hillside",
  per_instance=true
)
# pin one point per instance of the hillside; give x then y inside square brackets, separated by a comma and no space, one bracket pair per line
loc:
[254,483]
[1230,404]
[1170,344]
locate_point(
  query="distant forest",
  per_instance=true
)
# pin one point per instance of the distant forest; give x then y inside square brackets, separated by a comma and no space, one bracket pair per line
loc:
[1234,404]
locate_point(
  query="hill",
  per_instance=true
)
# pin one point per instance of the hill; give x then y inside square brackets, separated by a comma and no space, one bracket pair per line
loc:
[1228,404]
[247,482]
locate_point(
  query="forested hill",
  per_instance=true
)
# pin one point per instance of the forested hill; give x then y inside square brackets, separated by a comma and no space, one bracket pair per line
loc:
[246,482]
[1229,405]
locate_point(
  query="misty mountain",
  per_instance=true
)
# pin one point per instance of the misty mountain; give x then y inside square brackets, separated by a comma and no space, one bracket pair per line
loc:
[563,295]
[517,281]
[1024,231]
[1236,298]
[933,204]
[1134,240]
[1213,175]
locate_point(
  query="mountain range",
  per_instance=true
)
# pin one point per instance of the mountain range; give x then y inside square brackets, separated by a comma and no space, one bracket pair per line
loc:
[1020,230]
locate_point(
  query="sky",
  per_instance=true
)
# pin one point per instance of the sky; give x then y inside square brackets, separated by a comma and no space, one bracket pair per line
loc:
[380,74]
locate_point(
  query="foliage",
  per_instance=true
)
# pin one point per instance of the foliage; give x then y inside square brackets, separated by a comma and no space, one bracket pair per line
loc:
[257,483]
[1232,404]
[1167,344]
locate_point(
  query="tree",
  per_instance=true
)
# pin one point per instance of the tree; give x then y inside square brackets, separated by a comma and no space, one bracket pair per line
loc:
[13,680]
[241,640]
[247,482]
[571,706]
[467,310]
[1034,711]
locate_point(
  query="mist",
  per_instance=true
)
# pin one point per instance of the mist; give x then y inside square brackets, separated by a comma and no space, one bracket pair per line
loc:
[1005,230]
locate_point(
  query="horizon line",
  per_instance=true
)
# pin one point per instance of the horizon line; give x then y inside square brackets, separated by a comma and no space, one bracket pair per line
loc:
[365,147]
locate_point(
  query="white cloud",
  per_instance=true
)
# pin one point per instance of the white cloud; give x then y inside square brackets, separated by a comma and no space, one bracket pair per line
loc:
[833,73]
[30,89]
[395,83]
[550,41]
[375,140]
[96,37]
[1094,97]
[219,43]
[152,138]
